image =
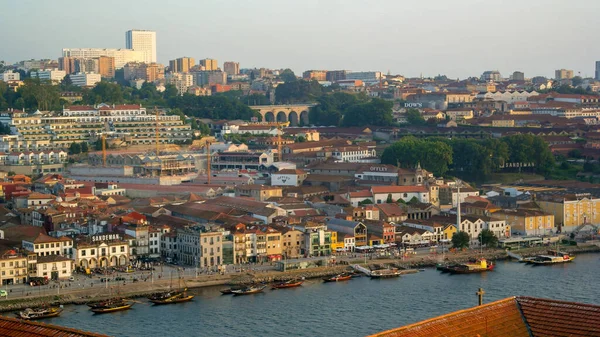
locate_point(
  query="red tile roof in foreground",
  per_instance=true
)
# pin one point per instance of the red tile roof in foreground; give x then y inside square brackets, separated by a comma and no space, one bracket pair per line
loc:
[559,318]
[513,316]
[15,328]
[501,318]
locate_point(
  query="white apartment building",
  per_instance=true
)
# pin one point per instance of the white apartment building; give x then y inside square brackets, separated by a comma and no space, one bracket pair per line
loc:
[35,132]
[54,76]
[181,81]
[102,250]
[54,267]
[144,41]
[121,56]
[352,153]
[45,245]
[85,79]
[10,76]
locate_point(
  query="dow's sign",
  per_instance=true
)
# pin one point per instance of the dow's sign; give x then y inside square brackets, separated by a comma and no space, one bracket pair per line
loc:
[413,105]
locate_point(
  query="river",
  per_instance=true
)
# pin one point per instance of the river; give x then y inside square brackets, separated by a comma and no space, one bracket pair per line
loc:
[354,308]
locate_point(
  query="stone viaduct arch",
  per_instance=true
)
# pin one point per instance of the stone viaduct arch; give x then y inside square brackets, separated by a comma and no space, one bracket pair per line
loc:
[296,114]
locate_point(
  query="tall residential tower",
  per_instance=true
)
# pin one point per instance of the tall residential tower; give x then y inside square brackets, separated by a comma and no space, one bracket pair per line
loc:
[142,40]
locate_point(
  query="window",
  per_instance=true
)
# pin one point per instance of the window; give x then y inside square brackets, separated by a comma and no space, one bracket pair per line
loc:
[122,249]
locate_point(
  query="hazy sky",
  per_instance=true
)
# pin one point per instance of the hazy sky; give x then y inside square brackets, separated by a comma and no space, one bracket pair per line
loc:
[458,38]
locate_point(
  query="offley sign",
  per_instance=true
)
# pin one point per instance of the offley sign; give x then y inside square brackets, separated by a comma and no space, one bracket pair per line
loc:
[413,105]
[378,169]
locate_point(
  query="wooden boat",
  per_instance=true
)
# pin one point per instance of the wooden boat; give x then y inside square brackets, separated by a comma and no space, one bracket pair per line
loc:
[287,284]
[338,278]
[445,268]
[105,303]
[114,307]
[551,259]
[249,290]
[385,273]
[171,296]
[469,268]
[179,298]
[39,313]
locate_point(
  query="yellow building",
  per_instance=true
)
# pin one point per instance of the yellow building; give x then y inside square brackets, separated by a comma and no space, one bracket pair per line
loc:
[571,210]
[526,221]
[258,192]
[274,244]
[335,244]
[449,231]
[503,123]
[13,267]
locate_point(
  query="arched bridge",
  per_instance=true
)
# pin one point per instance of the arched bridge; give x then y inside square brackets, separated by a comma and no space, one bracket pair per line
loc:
[296,114]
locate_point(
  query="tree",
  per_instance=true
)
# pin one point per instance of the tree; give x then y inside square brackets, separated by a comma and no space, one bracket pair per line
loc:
[575,153]
[576,81]
[365,202]
[74,148]
[460,240]
[488,238]
[84,147]
[389,199]
[287,75]
[414,117]
[433,154]
[375,112]
[300,139]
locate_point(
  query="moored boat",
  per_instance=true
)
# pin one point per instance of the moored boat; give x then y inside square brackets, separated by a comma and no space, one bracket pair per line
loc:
[287,284]
[39,313]
[113,307]
[179,298]
[385,273]
[469,268]
[105,303]
[551,259]
[338,278]
[249,290]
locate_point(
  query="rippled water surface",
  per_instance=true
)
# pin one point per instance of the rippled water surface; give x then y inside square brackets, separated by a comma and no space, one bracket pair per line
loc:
[355,308]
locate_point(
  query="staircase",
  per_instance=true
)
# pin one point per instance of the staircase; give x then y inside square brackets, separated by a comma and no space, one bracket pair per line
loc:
[362,269]
[514,256]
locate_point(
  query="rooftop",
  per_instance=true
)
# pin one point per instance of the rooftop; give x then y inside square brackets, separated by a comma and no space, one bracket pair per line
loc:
[16,327]
[513,316]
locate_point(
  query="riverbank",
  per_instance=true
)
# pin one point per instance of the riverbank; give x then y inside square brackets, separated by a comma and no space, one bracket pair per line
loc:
[73,295]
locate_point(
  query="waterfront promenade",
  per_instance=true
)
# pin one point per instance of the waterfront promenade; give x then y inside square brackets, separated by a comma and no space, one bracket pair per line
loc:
[85,289]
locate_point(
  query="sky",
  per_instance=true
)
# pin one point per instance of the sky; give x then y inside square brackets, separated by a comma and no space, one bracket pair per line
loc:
[458,38]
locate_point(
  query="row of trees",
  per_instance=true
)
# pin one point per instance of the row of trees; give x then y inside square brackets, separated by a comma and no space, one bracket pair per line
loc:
[486,238]
[343,109]
[475,159]
[77,148]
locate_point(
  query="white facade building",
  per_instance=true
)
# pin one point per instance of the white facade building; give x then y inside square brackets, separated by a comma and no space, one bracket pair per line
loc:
[10,76]
[85,79]
[54,76]
[144,41]
[54,267]
[352,153]
[121,56]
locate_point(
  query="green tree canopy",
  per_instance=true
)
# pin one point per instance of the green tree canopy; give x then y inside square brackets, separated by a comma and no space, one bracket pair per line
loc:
[433,155]
[75,148]
[414,117]
[488,238]
[287,75]
[460,240]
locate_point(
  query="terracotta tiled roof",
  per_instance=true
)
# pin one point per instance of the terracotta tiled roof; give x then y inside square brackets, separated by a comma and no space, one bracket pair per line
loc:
[557,318]
[497,319]
[398,189]
[15,327]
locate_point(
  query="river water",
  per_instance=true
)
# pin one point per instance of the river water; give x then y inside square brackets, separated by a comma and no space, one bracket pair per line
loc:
[354,308]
